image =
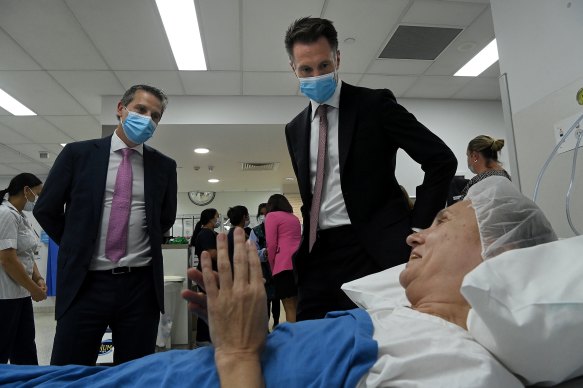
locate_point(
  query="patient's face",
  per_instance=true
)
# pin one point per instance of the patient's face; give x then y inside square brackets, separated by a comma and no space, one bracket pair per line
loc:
[442,255]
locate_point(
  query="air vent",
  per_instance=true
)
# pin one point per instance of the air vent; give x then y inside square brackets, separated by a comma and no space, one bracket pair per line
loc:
[413,42]
[43,154]
[251,166]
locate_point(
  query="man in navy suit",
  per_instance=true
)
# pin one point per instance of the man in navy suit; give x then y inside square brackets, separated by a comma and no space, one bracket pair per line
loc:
[110,273]
[361,220]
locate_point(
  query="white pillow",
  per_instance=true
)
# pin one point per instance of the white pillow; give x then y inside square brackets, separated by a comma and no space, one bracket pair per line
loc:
[527,310]
[379,290]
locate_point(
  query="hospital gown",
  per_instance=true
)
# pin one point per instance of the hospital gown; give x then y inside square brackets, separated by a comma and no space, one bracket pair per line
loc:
[422,350]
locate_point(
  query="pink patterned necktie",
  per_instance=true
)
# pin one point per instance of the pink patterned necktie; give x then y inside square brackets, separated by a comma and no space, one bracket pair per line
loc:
[320,166]
[117,230]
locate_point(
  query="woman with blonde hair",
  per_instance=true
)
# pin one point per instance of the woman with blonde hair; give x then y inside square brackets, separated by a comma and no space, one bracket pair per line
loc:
[483,161]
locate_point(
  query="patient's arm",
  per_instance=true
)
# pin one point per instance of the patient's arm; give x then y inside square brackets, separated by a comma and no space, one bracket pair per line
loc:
[237,312]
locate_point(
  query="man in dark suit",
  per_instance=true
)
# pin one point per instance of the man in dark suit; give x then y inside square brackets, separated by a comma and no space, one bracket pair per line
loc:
[343,149]
[107,202]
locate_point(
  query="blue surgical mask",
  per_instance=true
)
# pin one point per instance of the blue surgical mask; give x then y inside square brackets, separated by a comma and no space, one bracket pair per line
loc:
[138,128]
[29,205]
[319,88]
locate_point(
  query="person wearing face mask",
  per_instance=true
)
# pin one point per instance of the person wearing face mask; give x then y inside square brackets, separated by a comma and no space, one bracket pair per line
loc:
[483,161]
[204,239]
[343,148]
[20,279]
[238,217]
[107,203]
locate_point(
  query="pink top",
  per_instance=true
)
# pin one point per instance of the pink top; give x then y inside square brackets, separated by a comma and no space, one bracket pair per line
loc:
[283,233]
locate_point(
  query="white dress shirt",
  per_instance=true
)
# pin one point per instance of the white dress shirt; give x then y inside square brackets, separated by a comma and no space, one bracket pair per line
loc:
[332,207]
[138,249]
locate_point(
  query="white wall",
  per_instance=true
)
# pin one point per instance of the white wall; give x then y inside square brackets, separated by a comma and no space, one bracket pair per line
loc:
[456,122]
[542,59]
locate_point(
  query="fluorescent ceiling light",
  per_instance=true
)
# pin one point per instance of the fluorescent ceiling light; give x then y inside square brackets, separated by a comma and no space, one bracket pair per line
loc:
[181,25]
[213,180]
[201,150]
[63,144]
[13,106]
[483,60]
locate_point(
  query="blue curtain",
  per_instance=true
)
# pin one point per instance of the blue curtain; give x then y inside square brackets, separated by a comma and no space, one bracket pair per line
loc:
[52,268]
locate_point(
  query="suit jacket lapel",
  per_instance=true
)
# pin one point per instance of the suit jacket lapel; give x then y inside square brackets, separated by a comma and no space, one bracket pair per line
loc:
[302,145]
[98,174]
[149,168]
[346,122]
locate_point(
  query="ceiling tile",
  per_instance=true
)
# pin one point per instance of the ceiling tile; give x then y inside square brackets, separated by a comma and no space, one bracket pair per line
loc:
[49,33]
[36,128]
[78,127]
[11,155]
[129,34]
[399,67]
[436,87]
[492,72]
[32,151]
[442,13]
[10,136]
[467,44]
[397,84]
[39,92]
[168,81]
[33,168]
[480,89]
[88,86]
[369,22]
[262,48]
[13,56]
[269,84]
[211,82]
[8,171]
[221,41]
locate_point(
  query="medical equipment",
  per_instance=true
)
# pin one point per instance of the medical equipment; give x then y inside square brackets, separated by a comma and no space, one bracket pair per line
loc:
[579,134]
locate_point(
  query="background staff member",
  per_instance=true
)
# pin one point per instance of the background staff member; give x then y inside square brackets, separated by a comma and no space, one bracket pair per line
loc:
[107,203]
[19,276]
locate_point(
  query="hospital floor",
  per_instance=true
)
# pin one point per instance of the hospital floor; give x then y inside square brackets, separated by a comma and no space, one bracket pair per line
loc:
[45,325]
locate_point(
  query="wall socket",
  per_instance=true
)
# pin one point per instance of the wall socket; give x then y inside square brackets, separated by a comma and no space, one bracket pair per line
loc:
[560,130]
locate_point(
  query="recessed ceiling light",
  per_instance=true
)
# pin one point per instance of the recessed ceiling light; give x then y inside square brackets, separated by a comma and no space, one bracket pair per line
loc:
[289,178]
[63,144]
[213,180]
[201,150]
[483,60]
[13,106]
[181,25]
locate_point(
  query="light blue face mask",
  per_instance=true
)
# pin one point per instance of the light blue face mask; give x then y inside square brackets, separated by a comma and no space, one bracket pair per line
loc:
[319,88]
[138,128]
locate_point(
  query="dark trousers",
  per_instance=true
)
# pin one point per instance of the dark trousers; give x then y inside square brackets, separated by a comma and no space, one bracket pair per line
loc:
[336,258]
[124,302]
[17,332]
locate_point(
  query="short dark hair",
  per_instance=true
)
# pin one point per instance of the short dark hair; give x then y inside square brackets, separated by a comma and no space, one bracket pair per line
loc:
[262,205]
[279,203]
[237,214]
[129,94]
[309,30]
[19,182]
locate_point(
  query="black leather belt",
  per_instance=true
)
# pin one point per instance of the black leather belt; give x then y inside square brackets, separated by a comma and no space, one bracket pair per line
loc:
[124,270]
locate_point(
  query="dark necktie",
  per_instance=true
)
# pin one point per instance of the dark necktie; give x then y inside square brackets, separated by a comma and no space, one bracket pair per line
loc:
[320,167]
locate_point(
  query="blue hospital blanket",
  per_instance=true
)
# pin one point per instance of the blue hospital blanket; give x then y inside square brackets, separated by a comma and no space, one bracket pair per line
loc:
[332,352]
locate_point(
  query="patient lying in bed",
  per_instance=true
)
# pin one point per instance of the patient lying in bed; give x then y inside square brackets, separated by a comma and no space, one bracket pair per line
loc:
[420,341]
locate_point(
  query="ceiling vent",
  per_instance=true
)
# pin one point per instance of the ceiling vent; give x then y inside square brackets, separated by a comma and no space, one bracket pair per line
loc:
[250,166]
[413,42]
[43,154]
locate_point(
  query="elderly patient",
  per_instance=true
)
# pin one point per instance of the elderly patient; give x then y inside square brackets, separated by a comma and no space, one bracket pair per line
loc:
[424,343]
